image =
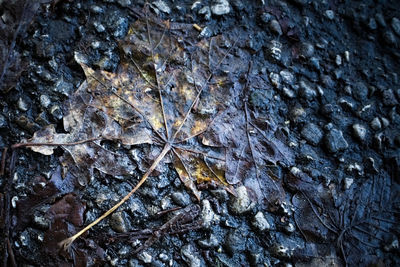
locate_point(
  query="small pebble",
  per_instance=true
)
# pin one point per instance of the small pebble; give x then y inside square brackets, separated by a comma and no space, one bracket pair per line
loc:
[385,122]
[181,199]
[347,56]
[99,27]
[145,257]
[359,131]
[275,27]
[96,9]
[380,19]
[190,256]
[242,202]
[389,99]
[348,182]
[220,7]
[275,79]
[3,121]
[372,24]
[330,14]
[287,77]
[45,101]
[389,38]
[260,223]
[22,104]
[162,6]
[117,222]
[396,25]
[338,60]
[335,141]
[312,133]
[306,50]
[207,214]
[306,90]
[275,49]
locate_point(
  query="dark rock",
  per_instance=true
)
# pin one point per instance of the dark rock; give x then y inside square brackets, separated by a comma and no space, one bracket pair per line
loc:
[261,98]
[191,256]
[327,81]
[266,17]
[235,241]
[376,124]
[301,2]
[307,91]
[360,91]
[306,50]
[3,121]
[181,198]
[380,19]
[327,109]
[388,98]
[206,12]
[396,25]
[45,49]
[385,122]
[335,141]
[298,114]
[347,103]
[315,63]
[63,87]
[389,38]
[117,222]
[238,4]
[211,242]
[372,24]
[367,112]
[312,133]
[56,112]
[275,27]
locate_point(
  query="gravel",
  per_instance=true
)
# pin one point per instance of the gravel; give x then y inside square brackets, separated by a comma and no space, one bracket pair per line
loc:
[329,93]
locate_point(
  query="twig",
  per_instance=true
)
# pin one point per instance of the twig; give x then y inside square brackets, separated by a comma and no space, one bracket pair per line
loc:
[11,253]
[55,144]
[3,161]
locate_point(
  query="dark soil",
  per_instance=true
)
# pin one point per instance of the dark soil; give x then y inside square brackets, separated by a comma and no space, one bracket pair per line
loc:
[324,76]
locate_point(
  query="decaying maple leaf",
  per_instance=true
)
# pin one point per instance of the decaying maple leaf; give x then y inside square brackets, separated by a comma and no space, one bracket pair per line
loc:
[168,91]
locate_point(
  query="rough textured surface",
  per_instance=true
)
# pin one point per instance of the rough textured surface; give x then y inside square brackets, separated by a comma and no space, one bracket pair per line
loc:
[324,84]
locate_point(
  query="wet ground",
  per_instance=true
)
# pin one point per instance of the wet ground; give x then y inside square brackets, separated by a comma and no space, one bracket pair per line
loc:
[320,80]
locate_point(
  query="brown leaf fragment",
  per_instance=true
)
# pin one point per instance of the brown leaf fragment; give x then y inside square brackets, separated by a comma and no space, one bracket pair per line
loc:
[70,208]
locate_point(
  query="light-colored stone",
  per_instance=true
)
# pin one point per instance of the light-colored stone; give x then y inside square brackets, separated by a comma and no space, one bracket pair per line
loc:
[220,7]
[242,202]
